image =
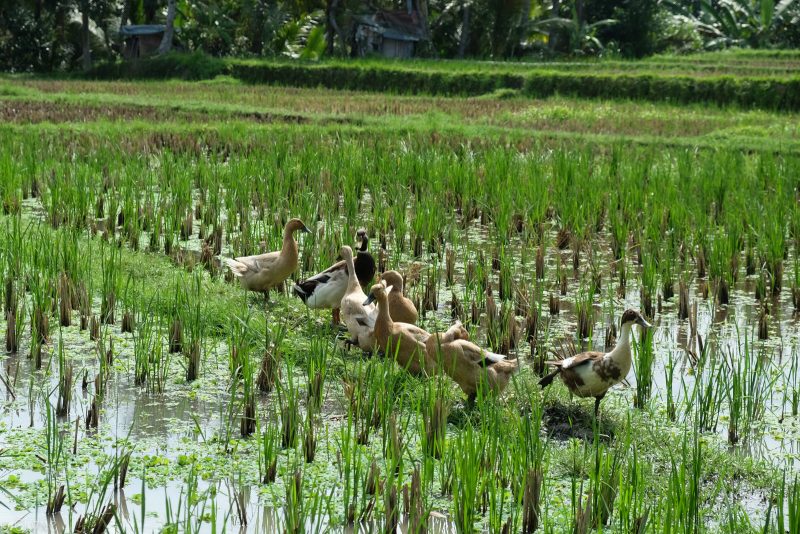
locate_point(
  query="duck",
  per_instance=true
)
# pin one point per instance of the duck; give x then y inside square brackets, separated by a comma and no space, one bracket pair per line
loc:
[401,308]
[402,341]
[592,374]
[326,289]
[264,271]
[468,364]
[358,316]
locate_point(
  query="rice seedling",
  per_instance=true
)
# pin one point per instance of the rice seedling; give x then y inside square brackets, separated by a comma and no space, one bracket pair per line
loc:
[747,386]
[643,361]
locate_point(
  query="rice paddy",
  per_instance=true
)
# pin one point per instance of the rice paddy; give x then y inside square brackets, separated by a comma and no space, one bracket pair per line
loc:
[144,390]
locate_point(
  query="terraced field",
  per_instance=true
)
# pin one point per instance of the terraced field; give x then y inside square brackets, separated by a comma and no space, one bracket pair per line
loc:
[145,390]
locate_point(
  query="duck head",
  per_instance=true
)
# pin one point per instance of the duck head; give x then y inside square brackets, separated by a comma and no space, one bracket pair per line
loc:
[296,224]
[631,317]
[378,292]
[394,279]
[362,240]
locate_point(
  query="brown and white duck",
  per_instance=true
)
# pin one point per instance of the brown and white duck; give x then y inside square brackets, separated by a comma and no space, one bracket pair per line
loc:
[264,271]
[400,307]
[326,289]
[592,374]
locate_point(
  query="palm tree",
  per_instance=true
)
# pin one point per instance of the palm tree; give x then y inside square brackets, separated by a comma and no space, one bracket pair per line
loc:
[169,31]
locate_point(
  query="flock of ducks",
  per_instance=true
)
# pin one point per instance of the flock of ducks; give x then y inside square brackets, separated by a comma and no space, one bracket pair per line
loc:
[385,320]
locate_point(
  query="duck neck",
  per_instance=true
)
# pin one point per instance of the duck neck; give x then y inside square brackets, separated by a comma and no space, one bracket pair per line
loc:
[383,319]
[352,280]
[289,247]
[364,244]
[623,347]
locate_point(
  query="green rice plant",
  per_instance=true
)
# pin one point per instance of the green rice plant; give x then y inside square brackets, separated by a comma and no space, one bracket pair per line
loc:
[681,505]
[146,348]
[643,361]
[786,502]
[528,460]
[248,418]
[432,424]
[55,452]
[748,383]
[65,382]
[110,258]
[289,402]
[352,469]
[633,510]
[268,450]
[669,384]
[194,327]
[467,453]
[791,386]
[317,363]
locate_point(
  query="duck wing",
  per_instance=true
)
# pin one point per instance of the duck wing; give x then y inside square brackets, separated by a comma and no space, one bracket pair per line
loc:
[245,265]
[325,289]
[577,360]
[416,333]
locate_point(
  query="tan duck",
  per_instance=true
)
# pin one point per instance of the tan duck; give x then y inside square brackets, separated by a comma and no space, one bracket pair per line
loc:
[265,271]
[468,364]
[592,374]
[401,309]
[402,341]
[357,315]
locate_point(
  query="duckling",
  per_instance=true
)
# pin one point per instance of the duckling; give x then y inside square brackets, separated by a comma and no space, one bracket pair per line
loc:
[404,342]
[591,374]
[265,271]
[326,289]
[401,308]
[358,316]
[468,364]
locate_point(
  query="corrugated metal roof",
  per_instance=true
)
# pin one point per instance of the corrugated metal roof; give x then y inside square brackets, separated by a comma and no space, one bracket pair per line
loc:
[142,29]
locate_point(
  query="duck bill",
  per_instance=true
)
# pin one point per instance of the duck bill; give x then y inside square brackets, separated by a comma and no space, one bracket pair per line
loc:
[370,300]
[644,324]
[305,229]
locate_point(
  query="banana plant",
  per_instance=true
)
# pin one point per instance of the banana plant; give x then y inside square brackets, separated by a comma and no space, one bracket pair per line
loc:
[726,23]
[582,35]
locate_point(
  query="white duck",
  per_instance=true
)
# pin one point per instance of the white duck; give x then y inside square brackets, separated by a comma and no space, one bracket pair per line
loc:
[358,316]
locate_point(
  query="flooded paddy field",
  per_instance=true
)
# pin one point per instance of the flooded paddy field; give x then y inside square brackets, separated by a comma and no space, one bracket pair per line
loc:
[144,390]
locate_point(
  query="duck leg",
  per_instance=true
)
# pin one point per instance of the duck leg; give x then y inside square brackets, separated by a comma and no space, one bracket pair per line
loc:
[335,319]
[597,405]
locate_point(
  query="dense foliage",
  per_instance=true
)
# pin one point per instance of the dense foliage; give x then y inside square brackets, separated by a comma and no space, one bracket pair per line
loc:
[46,35]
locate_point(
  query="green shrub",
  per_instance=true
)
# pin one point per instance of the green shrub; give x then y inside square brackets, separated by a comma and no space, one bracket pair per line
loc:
[778,93]
[194,66]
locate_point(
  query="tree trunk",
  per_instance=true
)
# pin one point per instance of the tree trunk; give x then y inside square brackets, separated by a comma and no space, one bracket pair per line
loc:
[126,13]
[86,57]
[422,8]
[166,41]
[464,37]
[333,29]
[552,38]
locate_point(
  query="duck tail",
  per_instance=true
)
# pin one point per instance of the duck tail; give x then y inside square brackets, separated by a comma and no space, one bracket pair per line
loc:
[548,379]
[300,292]
[237,268]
